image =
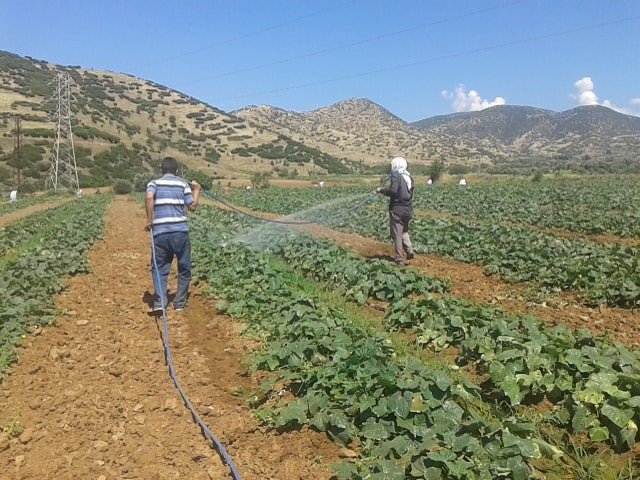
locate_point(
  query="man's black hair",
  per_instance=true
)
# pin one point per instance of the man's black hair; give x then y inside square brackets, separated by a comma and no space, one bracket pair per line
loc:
[169,165]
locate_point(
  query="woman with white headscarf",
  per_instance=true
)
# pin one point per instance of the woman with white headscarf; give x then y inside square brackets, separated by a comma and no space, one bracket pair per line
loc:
[400,193]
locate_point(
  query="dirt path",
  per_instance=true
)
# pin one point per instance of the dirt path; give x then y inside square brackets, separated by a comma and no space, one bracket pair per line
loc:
[94,399]
[25,212]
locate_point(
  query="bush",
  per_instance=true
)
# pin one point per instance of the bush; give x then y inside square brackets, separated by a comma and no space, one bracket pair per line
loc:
[459,169]
[140,182]
[211,155]
[122,187]
[5,174]
[537,177]
[436,169]
[28,187]
[199,176]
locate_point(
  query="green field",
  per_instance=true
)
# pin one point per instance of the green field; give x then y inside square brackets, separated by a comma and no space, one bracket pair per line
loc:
[502,406]
[493,225]
[413,378]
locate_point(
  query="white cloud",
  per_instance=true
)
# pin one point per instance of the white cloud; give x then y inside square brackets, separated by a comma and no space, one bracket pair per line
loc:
[609,104]
[612,106]
[470,101]
[586,95]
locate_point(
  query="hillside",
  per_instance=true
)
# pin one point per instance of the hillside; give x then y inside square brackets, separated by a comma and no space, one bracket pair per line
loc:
[123,125]
[357,129]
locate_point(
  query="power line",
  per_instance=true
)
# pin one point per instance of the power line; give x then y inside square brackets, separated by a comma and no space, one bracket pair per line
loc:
[351,45]
[245,35]
[431,60]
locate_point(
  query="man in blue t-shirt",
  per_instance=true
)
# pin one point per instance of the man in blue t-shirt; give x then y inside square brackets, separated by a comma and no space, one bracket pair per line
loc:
[166,200]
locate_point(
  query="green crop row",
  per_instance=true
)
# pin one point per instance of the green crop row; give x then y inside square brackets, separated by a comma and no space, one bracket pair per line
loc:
[593,205]
[412,421]
[29,281]
[594,384]
[290,200]
[603,274]
[23,230]
[356,279]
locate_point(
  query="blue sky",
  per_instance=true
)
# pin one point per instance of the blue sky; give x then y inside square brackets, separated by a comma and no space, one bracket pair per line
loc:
[449,55]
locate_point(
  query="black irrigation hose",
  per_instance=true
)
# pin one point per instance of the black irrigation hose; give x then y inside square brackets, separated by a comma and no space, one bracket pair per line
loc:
[172,373]
[293,222]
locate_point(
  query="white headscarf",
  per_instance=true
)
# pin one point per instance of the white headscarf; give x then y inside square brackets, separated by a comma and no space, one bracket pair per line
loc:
[399,164]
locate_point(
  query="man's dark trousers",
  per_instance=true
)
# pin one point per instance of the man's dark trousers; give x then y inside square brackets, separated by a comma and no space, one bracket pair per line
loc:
[167,246]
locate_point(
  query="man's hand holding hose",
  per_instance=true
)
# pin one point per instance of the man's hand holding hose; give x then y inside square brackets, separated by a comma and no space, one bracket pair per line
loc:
[196,188]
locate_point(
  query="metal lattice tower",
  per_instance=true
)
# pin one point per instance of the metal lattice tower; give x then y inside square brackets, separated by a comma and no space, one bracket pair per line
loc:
[64,171]
[17,147]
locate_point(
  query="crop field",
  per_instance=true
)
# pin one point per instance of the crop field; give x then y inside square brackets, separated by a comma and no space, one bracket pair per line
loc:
[6,208]
[310,356]
[35,255]
[591,384]
[481,228]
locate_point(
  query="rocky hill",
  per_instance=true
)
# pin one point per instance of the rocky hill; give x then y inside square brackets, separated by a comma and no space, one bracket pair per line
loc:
[123,125]
[502,138]
[357,129]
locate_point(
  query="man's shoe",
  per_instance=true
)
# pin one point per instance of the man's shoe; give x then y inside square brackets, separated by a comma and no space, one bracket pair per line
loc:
[410,255]
[179,308]
[400,263]
[155,309]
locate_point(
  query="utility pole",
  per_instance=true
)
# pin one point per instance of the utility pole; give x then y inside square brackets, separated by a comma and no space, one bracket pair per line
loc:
[17,146]
[63,160]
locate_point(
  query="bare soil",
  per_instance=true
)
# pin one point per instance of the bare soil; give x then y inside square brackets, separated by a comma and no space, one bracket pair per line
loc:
[91,397]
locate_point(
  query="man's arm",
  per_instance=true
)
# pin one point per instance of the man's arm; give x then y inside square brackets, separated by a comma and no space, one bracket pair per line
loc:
[149,201]
[195,189]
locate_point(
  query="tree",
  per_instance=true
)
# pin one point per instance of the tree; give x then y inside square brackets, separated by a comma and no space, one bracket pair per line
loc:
[260,180]
[436,169]
[537,176]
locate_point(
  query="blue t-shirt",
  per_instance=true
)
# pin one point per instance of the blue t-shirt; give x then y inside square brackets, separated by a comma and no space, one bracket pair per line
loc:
[171,195]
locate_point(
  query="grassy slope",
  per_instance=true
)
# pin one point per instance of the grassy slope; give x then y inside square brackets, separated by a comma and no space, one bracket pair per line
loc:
[148,120]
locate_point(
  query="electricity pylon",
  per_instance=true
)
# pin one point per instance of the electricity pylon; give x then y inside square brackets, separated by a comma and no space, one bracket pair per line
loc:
[17,147]
[63,162]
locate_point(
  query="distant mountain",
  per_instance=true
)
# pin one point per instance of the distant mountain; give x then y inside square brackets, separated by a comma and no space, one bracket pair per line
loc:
[517,130]
[503,123]
[124,124]
[362,130]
